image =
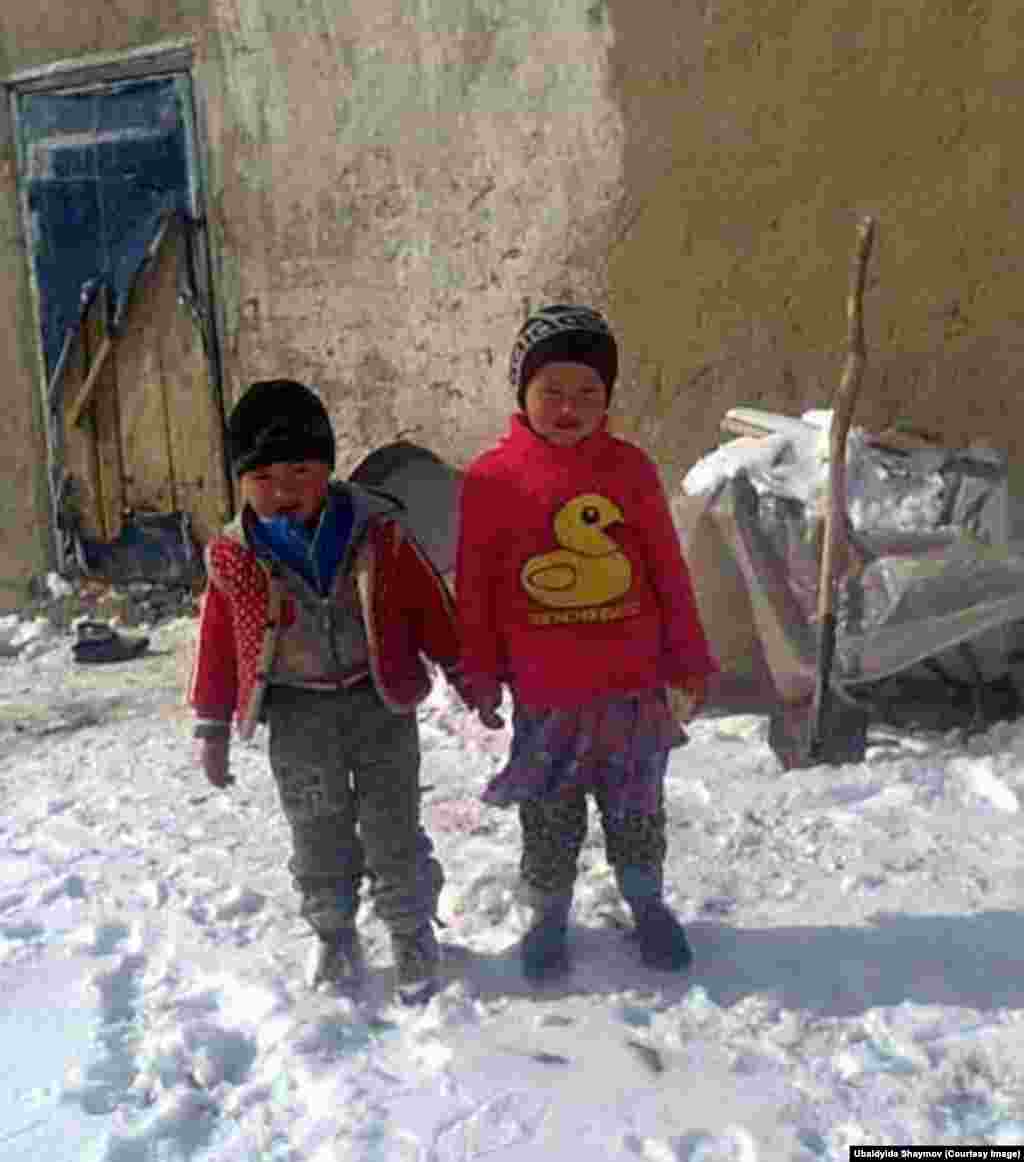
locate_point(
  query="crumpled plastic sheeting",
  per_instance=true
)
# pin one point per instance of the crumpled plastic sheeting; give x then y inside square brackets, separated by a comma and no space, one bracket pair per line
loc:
[920,607]
[926,488]
[932,527]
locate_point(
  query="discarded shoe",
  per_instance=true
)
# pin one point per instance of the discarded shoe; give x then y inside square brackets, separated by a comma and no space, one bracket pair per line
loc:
[417,963]
[545,948]
[339,960]
[414,996]
[663,943]
[97,643]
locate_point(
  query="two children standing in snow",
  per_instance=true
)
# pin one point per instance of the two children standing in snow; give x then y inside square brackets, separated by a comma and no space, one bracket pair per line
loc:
[571,590]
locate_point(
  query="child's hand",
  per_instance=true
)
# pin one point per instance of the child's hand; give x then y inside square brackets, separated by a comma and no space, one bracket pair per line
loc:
[687,698]
[486,707]
[213,758]
[490,717]
[483,696]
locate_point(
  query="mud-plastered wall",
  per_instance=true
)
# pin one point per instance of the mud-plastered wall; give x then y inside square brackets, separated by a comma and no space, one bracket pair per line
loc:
[23,525]
[756,134]
[391,185]
[395,182]
[388,187]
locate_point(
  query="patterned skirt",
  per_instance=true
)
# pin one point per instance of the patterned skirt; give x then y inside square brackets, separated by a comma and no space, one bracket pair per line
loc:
[617,747]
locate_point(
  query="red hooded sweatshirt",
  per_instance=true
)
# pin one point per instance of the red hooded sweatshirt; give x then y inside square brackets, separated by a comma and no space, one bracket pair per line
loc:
[571,585]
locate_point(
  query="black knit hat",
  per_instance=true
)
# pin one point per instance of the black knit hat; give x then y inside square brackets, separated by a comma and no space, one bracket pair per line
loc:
[563,333]
[278,420]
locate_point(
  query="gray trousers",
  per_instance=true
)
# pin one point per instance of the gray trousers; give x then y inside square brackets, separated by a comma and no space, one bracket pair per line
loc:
[347,773]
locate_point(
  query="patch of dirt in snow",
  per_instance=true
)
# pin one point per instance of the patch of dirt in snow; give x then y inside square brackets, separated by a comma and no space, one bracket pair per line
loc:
[50,694]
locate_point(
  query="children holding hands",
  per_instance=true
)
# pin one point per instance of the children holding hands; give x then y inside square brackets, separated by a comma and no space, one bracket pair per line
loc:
[571,591]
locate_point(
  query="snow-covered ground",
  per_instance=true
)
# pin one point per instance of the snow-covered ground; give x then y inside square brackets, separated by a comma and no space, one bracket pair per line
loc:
[859,942]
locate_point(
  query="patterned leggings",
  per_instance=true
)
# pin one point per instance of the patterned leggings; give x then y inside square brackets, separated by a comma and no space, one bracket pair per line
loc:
[554,831]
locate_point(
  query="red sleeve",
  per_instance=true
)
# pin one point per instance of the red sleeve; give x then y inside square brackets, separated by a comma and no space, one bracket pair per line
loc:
[685,650]
[213,692]
[430,604]
[475,582]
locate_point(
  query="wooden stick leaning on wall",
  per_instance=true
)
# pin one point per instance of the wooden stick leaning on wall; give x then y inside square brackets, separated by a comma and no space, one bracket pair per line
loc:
[82,400]
[836,548]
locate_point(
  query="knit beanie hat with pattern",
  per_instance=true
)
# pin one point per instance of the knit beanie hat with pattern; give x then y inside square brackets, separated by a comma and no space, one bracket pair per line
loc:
[563,333]
[278,420]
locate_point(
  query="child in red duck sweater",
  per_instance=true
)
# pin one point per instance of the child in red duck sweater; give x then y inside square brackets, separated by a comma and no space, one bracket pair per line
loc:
[317,608]
[571,589]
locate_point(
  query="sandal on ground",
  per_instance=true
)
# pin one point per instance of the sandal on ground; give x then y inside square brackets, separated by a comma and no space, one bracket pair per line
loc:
[98,643]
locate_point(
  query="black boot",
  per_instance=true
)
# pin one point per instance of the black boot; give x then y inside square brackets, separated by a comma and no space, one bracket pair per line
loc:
[663,943]
[329,907]
[339,960]
[417,964]
[545,948]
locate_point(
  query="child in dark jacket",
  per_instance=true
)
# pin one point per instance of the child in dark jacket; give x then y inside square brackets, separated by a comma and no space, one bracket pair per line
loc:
[317,607]
[572,590]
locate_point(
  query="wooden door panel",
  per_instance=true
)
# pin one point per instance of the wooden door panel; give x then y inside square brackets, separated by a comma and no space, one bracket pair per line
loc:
[81,435]
[142,369]
[133,418]
[196,426]
[105,410]
[143,428]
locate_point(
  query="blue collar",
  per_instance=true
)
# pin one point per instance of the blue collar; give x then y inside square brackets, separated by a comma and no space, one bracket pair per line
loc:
[316,553]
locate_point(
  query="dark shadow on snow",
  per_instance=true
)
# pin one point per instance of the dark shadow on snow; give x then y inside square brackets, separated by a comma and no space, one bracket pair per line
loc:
[974,961]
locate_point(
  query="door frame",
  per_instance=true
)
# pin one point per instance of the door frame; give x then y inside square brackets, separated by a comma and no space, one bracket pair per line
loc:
[101,71]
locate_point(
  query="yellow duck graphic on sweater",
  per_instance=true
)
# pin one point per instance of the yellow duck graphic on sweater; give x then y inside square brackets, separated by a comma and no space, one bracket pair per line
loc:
[589,568]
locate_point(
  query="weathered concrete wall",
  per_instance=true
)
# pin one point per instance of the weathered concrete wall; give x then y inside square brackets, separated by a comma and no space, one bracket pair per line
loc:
[755,136]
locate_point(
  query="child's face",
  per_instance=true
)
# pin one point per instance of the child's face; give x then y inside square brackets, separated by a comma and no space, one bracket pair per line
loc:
[293,488]
[565,402]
